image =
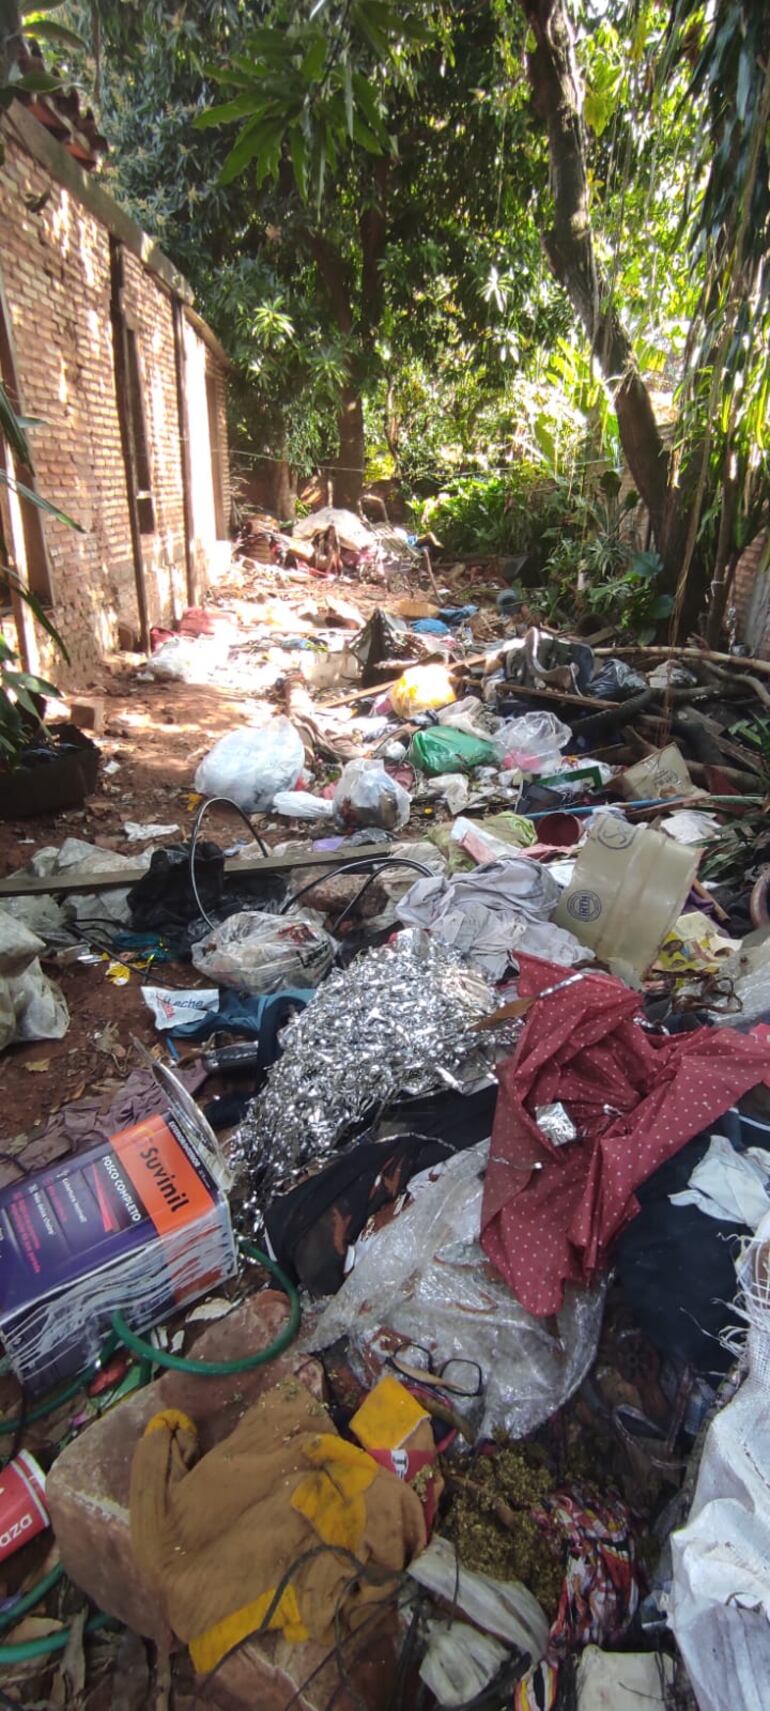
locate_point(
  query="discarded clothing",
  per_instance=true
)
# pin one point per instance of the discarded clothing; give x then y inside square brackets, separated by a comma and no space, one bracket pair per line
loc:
[220,1541]
[489,915]
[600,1594]
[551,1213]
[258,1016]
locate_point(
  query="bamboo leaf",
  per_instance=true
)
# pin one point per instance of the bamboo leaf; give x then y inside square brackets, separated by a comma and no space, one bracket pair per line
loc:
[246,146]
[238,108]
[11,428]
[50,30]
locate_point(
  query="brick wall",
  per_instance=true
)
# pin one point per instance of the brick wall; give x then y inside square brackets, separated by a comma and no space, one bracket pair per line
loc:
[55,269]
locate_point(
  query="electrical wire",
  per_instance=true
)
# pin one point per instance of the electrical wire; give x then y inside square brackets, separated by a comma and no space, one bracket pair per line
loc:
[211,802]
[220,1368]
[359,866]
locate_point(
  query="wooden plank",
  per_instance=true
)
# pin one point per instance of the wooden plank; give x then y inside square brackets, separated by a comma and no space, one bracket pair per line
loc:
[55,884]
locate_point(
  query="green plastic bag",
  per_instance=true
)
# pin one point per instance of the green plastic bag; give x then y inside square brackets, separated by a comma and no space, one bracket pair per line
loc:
[443,749]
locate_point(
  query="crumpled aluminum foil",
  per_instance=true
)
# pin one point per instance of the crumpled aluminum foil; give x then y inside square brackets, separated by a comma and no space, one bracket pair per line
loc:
[398,1020]
[555,1122]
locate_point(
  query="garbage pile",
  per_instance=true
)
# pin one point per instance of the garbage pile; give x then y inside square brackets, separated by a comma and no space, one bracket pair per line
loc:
[488,1010]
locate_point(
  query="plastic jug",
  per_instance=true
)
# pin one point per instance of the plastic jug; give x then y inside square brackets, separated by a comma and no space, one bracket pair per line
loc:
[628,888]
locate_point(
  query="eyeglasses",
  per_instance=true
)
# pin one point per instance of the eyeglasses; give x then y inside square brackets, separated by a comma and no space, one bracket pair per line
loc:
[459,1377]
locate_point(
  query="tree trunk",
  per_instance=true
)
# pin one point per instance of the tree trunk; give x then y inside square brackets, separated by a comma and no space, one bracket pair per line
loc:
[349,471]
[558,98]
[284,492]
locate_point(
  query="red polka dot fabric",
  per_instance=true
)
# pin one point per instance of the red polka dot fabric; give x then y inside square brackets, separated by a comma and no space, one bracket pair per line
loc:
[550,1213]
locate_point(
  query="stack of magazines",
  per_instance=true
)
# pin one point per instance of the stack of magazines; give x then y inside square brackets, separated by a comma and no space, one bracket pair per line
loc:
[140,1224]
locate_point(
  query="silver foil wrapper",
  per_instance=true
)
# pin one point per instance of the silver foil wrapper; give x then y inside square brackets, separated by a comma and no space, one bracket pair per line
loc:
[398,1020]
[555,1122]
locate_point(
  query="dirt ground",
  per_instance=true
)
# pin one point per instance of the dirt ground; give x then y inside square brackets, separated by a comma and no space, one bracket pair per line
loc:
[157,733]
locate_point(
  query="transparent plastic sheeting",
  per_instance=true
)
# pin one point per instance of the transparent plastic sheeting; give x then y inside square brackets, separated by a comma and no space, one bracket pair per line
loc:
[257,952]
[425,1278]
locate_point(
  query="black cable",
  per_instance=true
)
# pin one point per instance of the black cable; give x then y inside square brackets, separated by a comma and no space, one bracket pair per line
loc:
[376,862]
[211,802]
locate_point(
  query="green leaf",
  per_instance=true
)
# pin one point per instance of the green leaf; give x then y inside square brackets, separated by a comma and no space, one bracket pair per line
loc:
[298,148]
[37,82]
[662,607]
[365,137]
[238,108]
[244,150]
[50,30]
[315,60]
[12,429]
[42,504]
[35,7]
[368,103]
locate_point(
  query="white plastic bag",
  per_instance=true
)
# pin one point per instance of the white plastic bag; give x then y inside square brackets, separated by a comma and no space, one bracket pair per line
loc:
[720,1598]
[187,659]
[531,742]
[249,765]
[255,952]
[302,805]
[31,1006]
[425,1279]
[366,795]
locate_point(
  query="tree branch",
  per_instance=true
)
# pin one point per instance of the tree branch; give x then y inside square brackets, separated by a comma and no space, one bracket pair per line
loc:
[558,99]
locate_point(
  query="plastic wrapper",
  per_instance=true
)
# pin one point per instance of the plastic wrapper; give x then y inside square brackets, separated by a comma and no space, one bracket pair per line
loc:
[185,659]
[256,952]
[531,742]
[421,689]
[749,971]
[442,749]
[249,765]
[366,795]
[425,1279]
[471,716]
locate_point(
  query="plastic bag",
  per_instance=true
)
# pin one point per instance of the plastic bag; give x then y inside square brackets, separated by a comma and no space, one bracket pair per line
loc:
[483,846]
[301,805]
[31,1006]
[422,688]
[366,795]
[749,970]
[441,749]
[249,765]
[473,716]
[425,1279]
[720,1598]
[531,742]
[183,659]
[265,953]
[616,681]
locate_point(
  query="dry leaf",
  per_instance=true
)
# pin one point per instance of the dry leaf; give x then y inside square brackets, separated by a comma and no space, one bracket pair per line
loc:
[70,1679]
[39,1066]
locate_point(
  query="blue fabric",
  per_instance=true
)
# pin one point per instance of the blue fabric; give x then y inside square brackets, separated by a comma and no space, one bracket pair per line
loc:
[457,614]
[242,1013]
[429,627]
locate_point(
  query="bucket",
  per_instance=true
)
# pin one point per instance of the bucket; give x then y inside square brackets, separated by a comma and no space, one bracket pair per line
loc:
[629,886]
[23,1512]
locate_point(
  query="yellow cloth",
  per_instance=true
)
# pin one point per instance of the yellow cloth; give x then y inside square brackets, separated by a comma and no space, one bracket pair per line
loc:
[216,1538]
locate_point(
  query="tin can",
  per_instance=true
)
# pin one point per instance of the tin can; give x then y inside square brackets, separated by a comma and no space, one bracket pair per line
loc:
[23,1512]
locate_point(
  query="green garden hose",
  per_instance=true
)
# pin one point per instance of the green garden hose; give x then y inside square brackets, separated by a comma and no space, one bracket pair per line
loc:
[220,1368]
[48,1643]
[28,1600]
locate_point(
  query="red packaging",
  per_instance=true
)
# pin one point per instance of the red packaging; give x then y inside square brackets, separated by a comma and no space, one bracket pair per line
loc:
[23,1512]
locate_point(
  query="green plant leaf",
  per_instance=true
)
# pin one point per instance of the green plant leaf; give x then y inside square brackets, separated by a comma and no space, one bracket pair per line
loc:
[238,108]
[662,606]
[50,30]
[36,83]
[244,150]
[314,60]
[42,504]
[11,428]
